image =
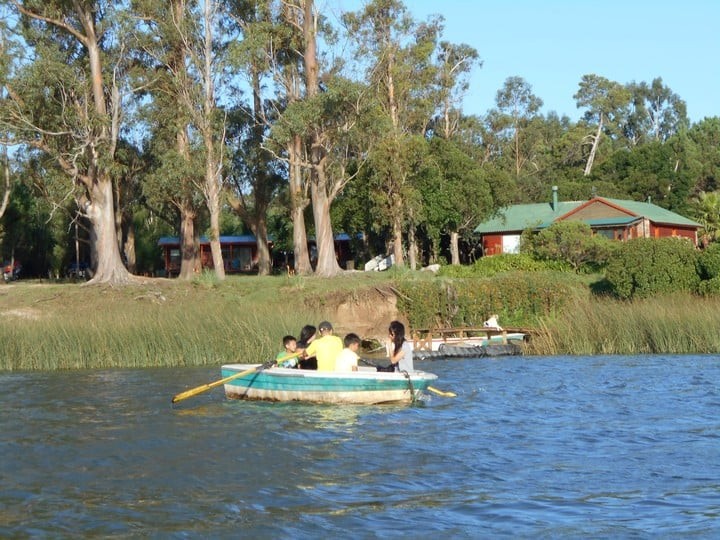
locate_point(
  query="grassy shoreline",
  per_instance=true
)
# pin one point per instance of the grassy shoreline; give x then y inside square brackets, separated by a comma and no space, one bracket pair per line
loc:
[166,323]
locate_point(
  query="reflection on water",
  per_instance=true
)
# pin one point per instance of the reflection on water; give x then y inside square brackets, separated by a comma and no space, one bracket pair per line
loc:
[581,447]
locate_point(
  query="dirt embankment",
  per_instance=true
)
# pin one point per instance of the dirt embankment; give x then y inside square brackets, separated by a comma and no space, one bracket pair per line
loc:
[366,312]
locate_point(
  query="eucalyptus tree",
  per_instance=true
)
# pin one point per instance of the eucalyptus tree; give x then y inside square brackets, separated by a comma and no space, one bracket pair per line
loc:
[656,112]
[606,103]
[173,157]
[516,101]
[459,197]
[287,64]
[397,54]
[63,101]
[254,174]
[454,64]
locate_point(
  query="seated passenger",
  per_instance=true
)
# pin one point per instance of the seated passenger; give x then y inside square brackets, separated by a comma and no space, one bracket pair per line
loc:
[307,335]
[326,348]
[290,344]
[348,358]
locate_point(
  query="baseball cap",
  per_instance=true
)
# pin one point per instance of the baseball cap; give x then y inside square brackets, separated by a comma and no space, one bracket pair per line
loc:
[325,325]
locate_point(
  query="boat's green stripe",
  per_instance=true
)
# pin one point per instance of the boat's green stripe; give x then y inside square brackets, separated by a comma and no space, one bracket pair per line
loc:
[262,381]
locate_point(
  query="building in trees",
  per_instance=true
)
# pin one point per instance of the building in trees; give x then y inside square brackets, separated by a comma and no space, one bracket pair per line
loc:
[613,218]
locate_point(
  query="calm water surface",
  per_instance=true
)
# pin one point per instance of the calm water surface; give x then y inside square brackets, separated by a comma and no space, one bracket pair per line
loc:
[531,447]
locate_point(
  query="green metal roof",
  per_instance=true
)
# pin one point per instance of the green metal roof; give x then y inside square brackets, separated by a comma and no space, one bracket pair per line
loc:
[519,217]
[525,216]
[653,212]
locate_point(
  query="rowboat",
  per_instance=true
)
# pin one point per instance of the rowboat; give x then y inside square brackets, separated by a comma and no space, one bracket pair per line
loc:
[366,386]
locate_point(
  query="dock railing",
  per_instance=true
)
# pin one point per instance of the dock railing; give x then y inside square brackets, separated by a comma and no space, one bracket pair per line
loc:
[422,338]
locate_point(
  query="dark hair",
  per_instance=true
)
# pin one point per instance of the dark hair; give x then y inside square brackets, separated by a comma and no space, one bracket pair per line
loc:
[307,332]
[288,339]
[351,339]
[397,331]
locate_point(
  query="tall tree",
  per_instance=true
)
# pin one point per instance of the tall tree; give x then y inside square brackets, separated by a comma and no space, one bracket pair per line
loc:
[516,100]
[397,54]
[255,176]
[606,103]
[656,112]
[171,178]
[65,102]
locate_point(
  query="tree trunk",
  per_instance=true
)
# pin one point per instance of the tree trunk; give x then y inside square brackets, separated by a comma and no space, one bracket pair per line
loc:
[129,247]
[454,248]
[412,247]
[6,175]
[596,143]
[101,212]
[397,240]
[261,236]
[215,249]
[189,244]
[298,203]
[327,265]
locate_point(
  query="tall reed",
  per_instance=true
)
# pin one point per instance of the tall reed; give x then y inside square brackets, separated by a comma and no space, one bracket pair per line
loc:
[676,324]
[179,326]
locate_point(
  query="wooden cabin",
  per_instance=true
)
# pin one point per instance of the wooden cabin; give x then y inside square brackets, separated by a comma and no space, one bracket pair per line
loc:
[239,254]
[615,219]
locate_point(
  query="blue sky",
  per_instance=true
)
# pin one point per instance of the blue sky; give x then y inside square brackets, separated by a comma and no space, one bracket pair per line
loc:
[553,43]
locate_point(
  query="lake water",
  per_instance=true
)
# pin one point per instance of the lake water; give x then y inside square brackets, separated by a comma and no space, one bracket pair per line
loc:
[530,447]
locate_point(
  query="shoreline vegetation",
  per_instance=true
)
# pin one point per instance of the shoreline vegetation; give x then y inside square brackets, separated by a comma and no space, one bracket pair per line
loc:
[168,323]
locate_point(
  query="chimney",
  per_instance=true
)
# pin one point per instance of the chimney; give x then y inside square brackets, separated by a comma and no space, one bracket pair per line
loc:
[555,198]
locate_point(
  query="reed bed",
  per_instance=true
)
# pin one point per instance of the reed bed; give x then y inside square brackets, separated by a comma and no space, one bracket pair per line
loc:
[65,327]
[677,324]
[165,323]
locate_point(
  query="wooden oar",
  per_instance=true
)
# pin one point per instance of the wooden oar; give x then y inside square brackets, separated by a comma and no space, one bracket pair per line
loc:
[441,393]
[431,388]
[200,389]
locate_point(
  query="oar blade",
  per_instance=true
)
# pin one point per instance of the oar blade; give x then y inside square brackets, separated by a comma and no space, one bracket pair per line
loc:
[441,392]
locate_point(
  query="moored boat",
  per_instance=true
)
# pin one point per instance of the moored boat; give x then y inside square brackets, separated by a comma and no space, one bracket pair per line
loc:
[365,386]
[438,343]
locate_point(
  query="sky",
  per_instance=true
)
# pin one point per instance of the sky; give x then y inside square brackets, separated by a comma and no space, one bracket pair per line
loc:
[551,44]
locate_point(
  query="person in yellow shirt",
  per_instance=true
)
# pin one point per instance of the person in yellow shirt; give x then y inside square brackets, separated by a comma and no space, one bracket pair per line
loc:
[326,348]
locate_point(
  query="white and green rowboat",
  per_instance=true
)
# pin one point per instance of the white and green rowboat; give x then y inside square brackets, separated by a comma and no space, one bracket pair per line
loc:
[365,386]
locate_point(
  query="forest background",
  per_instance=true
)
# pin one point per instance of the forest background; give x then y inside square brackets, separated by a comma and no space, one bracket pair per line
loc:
[125,121]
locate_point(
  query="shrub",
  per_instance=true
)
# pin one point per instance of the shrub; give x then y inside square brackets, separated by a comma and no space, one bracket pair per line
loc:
[517,297]
[709,261]
[710,287]
[644,267]
[498,264]
[571,242]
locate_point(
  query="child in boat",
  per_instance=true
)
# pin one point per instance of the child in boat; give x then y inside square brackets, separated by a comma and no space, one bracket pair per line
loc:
[290,346]
[348,358]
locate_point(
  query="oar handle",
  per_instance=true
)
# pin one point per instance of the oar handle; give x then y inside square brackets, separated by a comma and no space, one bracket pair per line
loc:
[200,389]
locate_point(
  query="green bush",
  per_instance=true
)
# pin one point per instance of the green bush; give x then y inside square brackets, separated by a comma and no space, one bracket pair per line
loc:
[571,242]
[645,267]
[710,287]
[519,298]
[498,264]
[709,261]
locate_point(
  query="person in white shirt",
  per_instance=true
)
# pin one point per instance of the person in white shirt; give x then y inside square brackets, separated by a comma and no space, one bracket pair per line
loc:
[348,358]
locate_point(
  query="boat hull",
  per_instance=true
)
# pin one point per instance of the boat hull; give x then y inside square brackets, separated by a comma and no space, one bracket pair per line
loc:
[366,386]
[435,344]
